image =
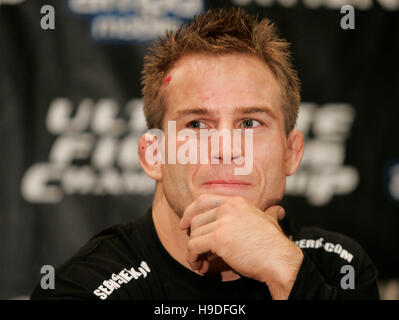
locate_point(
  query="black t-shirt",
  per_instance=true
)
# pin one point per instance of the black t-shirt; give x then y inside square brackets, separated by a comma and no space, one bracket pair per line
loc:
[129,262]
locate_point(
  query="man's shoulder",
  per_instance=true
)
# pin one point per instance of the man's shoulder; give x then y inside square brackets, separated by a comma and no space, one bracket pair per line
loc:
[115,245]
[330,250]
[113,263]
[333,262]
[320,242]
[120,242]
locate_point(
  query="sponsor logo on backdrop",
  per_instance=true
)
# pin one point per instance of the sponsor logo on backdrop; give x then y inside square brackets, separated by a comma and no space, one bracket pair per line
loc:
[322,173]
[323,4]
[134,20]
[94,152]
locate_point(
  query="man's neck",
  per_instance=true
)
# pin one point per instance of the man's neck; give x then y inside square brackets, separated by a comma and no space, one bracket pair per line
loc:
[173,239]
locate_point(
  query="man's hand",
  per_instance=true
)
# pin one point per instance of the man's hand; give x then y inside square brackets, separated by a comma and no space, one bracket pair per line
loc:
[250,241]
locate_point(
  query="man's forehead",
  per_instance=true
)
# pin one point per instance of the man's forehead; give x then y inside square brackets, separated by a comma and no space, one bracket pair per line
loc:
[192,66]
[205,91]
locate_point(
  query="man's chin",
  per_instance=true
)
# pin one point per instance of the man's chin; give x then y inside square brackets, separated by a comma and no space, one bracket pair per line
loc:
[228,192]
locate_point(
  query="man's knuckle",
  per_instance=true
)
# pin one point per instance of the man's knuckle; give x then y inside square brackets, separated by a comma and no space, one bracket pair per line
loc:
[221,211]
[225,220]
[194,233]
[191,245]
[194,221]
[220,235]
[227,205]
[216,235]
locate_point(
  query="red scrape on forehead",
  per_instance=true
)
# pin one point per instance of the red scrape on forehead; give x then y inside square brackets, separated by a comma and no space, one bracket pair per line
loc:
[167,80]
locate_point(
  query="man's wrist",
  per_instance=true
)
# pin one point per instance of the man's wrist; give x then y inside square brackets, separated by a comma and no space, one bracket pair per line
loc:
[284,276]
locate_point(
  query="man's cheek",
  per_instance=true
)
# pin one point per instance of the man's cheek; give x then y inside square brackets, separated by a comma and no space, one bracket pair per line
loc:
[262,159]
[270,154]
[269,165]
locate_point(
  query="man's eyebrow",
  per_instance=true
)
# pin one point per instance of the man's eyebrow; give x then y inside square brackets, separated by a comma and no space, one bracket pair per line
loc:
[187,111]
[239,110]
[256,109]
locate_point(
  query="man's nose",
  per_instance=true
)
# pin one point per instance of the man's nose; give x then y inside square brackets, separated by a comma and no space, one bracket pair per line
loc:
[227,149]
[223,158]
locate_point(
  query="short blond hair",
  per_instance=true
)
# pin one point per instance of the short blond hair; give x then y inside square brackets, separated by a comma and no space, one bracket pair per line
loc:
[220,31]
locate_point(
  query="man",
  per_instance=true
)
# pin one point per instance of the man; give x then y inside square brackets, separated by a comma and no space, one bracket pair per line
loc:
[212,233]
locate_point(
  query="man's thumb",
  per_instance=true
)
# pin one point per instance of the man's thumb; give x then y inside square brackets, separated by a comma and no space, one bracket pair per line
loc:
[276,212]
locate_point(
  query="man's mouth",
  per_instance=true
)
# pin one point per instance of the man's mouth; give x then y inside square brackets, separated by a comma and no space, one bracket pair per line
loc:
[236,184]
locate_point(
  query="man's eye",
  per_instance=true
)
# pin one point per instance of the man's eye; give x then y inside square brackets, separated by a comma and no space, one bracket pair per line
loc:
[197,124]
[250,123]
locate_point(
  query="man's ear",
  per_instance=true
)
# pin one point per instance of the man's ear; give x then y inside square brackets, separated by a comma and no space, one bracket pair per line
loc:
[151,154]
[295,147]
